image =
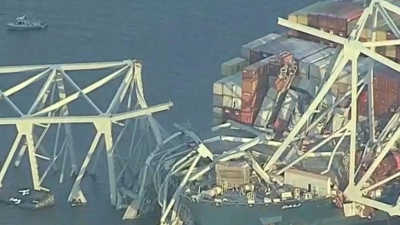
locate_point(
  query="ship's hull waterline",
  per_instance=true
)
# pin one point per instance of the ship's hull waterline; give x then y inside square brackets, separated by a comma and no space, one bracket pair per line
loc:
[314,212]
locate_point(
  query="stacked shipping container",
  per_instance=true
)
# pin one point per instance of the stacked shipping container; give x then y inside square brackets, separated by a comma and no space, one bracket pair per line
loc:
[299,48]
[386,92]
[233,66]
[254,88]
[329,16]
[383,33]
[246,49]
[227,98]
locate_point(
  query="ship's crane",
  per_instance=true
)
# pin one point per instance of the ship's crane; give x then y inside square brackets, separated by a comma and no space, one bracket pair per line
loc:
[52,109]
[349,50]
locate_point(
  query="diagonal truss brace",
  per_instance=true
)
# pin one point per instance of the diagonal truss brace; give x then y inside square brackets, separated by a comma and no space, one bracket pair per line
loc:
[350,51]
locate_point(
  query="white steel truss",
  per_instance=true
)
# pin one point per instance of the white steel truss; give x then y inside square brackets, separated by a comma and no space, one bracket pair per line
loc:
[46,111]
[348,51]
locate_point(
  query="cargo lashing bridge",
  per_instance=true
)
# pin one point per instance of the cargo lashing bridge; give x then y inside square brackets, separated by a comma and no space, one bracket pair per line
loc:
[51,107]
[348,51]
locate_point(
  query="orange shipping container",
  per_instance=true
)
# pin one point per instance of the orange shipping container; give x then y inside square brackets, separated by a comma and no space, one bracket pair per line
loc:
[250,86]
[250,101]
[255,71]
[249,117]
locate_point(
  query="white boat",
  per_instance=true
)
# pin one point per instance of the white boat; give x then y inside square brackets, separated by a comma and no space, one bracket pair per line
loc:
[23,23]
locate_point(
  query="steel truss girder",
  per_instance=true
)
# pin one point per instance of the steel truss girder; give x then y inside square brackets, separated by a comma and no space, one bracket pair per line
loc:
[44,115]
[349,50]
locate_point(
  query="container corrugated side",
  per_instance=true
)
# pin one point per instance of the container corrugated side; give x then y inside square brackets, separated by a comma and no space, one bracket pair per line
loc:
[267,108]
[227,101]
[233,66]
[345,75]
[217,100]
[233,86]
[229,84]
[305,63]
[304,85]
[218,86]
[318,69]
[245,51]
[277,46]
[299,48]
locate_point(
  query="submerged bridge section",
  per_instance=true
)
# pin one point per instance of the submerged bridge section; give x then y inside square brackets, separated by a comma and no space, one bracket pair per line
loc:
[127,111]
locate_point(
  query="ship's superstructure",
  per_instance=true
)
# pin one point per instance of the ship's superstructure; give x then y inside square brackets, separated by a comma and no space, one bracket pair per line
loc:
[306,131]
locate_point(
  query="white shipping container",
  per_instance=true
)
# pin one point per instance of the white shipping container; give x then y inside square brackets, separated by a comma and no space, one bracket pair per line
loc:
[245,51]
[218,86]
[290,100]
[236,103]
[285,114]
[304,64]
[217,112]
[227,101]
[217,100]
[233,86]
[233,66]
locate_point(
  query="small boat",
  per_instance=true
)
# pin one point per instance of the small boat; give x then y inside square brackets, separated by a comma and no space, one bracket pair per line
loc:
[23,23]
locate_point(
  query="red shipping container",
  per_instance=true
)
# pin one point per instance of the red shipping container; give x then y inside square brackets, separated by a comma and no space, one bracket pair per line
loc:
[255,56]
[255,71]
[250,102]
[398,53]
[236,115]
[250,86]
[330,22]
[387,80]
[280,125]
[312,20]
[226,113]
[249,117]
[322,21]
[341,25]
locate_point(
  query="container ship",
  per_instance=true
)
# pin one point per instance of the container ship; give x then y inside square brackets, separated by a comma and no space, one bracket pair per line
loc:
[305,127]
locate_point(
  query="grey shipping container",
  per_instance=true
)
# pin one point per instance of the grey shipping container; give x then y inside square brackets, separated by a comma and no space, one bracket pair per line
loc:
[245,51]
[299,48]
[217,100]
[305,63]
[268,107]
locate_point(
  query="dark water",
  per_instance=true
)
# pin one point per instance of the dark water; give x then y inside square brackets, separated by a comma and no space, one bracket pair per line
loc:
[182,44]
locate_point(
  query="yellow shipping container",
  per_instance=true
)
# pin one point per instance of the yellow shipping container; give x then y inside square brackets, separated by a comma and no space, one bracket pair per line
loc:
[391,52]
[292,17]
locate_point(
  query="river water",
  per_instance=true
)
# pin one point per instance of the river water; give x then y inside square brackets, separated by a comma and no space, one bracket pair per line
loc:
[181,43]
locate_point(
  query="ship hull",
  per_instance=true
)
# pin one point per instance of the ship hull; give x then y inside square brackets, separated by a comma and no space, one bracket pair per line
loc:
[314,212]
